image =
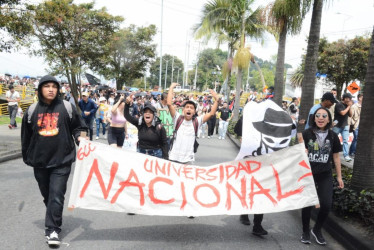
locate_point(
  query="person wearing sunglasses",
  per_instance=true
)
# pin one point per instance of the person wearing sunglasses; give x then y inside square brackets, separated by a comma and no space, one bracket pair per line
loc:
[322,145]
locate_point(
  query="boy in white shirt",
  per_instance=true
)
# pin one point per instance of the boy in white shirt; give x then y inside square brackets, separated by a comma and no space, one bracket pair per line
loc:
[182,150]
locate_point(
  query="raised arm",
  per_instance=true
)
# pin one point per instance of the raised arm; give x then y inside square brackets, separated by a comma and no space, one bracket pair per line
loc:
[170,99]
[115,106]
[214,107]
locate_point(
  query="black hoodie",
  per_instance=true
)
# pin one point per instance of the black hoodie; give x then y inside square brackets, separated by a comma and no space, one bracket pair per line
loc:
[47,141]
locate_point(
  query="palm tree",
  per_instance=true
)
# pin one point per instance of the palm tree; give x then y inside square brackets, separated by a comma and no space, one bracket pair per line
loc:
[236,19]
[363,168]
[307,91]
[283,17]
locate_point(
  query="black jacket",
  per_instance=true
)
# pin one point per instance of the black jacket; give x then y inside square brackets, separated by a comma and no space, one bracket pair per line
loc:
[47,141]
[153,137]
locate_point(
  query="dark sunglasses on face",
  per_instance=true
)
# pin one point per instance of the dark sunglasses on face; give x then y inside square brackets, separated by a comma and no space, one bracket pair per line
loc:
[323,115]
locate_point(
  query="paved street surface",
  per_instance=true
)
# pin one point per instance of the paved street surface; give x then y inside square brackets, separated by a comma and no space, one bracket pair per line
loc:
[22,219]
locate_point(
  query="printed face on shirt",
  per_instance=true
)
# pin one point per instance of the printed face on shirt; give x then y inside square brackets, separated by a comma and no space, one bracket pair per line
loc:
[49,91]
[189,111]
[275,143]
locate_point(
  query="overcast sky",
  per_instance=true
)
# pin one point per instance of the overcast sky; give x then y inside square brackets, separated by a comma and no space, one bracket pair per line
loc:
[179,16]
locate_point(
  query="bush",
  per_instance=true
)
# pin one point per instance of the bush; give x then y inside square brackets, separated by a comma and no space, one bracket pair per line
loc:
[231,127]
[350,203]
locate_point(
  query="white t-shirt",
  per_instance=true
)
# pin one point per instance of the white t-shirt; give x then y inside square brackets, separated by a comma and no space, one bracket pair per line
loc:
[183,145]
[12,96]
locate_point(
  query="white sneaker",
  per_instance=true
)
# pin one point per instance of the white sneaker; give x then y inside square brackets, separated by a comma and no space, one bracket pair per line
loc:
[219,138]
[347,158]
[53,239]
[97,138]
[208,137]
[105,136]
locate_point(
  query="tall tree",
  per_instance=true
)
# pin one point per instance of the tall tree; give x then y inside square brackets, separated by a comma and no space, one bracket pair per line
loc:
[131,52]
[283,17]
[71,36]
[363,168]
[308,85]
[235,19]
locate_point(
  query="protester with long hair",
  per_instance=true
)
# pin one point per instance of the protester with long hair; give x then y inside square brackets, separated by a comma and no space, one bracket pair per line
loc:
[117,131]
[322,145]
[151,134]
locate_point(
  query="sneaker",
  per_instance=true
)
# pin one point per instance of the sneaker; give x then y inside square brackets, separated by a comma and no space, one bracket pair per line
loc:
[352,156]
[244,219]
[10,126]
[259,230]
[347,158]
[191,217]
[97,138]
[318,236]
[305,238]
[219,138]
[53,239]
[208,137]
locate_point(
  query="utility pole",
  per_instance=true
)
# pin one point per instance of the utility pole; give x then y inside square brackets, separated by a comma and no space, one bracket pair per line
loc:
[185,58]
[162,17]
[166,73]
[186,68]
[172,71]
[178,75]
[197,62]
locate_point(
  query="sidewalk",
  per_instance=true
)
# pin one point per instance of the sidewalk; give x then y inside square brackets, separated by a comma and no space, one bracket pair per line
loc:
[10,146]
[339,229]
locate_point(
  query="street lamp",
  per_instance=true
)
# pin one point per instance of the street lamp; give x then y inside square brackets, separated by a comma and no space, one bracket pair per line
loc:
[178,75]
[348,17]
[166,72]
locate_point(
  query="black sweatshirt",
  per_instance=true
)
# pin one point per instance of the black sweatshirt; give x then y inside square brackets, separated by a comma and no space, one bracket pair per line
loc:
[153,137]
[47,141]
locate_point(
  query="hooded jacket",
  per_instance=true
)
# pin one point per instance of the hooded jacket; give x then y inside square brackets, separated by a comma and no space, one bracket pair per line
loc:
[47,141]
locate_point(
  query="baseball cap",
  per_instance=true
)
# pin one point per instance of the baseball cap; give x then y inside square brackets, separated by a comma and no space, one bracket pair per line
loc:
[150,107]
[85,94]
[102,99]
[330,97]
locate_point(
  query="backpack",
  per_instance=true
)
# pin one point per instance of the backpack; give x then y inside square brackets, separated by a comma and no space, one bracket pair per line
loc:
[32,108]
[178,124]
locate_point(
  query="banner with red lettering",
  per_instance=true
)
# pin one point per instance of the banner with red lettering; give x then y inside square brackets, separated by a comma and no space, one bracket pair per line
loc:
[112,179]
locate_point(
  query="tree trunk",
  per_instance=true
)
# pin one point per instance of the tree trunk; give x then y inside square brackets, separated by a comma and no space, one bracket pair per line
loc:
[363,168]
[279,73]
[308,85]
[235,115]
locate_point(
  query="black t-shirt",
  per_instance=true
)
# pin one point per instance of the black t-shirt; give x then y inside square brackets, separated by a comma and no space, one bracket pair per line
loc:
[225,113]
[320,157]
[342,119]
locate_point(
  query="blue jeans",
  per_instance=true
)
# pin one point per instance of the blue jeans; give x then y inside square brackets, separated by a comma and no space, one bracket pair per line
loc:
[98,122]
[345,135]
[152,152]
[12,114]
[222,128]
[52,184]
[352,149]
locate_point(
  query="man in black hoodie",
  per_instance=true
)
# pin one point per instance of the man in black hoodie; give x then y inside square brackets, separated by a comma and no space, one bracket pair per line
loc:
[47,132]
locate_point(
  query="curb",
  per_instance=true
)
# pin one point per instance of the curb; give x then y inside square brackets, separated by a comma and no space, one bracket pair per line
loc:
[14,154]
[340,230]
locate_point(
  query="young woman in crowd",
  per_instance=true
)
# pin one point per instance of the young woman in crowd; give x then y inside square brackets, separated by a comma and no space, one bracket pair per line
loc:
[322,145]
[151,134]
[211,122]
[117,130]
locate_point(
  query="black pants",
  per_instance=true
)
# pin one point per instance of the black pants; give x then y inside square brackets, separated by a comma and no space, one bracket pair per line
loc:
[324,186]
[89,123]
[211,125]
[52,184]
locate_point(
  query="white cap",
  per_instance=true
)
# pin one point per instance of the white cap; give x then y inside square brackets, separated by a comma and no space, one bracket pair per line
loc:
[102,99]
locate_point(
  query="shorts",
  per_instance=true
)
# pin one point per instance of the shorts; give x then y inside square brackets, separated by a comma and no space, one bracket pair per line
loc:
[116,136]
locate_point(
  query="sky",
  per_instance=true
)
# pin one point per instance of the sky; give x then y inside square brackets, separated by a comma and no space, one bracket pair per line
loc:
[341,19]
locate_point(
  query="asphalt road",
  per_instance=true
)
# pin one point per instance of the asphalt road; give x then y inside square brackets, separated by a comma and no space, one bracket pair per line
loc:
[22,219]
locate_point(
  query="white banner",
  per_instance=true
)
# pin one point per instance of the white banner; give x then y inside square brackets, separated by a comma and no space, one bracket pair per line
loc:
[112,179]
[266,128]
[132,141]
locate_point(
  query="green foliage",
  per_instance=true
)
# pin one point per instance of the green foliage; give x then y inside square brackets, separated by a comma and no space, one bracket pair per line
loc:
[131,52]
[350,203]
[231,126]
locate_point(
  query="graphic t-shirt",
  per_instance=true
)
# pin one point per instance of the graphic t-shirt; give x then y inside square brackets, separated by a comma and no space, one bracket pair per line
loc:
[47,124]
[225,113]
[320,156]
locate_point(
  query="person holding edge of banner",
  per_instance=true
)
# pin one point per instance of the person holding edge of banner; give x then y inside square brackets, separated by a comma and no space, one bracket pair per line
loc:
[49,129]
[182,148]
[322,145]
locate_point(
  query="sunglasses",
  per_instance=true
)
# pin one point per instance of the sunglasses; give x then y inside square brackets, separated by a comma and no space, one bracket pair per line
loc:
[323,115]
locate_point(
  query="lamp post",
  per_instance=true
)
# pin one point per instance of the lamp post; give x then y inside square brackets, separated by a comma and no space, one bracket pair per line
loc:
[166,72]
[178,75]
[346,19]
